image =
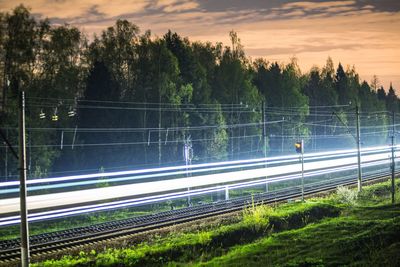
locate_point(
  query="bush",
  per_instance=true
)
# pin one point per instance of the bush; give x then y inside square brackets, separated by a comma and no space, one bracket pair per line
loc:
[346,196]
[257,215]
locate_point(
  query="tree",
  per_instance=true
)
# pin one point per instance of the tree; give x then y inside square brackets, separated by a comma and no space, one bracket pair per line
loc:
[100,87]
[381,94]
[217,146]
[23,42]
[371,108]
[341,85]
[233,86]
[291,86]
[63,64]
[328,96]
[375,83]
[282,88]
[60,76]
[392,102]
[116,48]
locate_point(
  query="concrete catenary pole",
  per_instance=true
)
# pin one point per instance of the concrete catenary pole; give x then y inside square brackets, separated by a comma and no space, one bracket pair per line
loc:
[23,191]
[302,170]
[264,133]
[358,150]
[393,159]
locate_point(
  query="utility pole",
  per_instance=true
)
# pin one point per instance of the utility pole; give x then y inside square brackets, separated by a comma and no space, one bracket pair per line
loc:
[264,133]
[22,189]
[302,171]
[282,138]
[188,156]
[358,150]
[264,130]
[357,138]
[159,108]
[393,160]
[232,134]
[6,159]
[159,132]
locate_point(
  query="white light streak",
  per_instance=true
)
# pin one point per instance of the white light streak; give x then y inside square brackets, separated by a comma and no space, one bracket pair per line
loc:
[147,200]
[148,192]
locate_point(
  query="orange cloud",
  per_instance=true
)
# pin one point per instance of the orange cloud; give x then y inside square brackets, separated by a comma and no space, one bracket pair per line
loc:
[317,5]
[69,9]
[177,6]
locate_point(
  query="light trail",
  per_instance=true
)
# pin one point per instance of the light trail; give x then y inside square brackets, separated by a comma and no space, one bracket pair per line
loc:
[158,198]
[163,172]
[271,161]
[131,190]
[155,191]
[147,176]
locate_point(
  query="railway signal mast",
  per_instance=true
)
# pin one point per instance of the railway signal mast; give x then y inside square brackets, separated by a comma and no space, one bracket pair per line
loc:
[300,149]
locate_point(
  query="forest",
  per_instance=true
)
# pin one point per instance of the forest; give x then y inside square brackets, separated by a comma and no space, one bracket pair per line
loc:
[126,99]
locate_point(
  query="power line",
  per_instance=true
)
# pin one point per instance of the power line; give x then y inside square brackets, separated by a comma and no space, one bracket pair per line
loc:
[154,129]
[73,100]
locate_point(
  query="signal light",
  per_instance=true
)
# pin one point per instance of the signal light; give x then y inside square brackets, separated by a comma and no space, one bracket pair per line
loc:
[54,117]
[299,147]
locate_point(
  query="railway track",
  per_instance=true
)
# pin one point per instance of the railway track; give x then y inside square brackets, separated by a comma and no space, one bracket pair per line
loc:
[46,243]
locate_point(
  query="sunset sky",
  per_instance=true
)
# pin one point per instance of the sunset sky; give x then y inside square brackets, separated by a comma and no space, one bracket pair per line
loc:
[364,33]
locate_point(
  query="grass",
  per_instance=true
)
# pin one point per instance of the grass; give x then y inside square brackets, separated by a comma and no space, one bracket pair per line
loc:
[366,234]
[332,231]
[257,221]
[334,242]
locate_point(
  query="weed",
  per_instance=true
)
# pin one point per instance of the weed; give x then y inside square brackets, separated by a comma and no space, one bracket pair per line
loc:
[346,196]
[306,219]
[257,215]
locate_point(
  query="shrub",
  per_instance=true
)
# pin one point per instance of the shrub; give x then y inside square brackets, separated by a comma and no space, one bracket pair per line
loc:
[257,215]
[346,196]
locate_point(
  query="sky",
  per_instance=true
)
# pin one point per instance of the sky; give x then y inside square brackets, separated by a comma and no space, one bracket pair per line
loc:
[363,33]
